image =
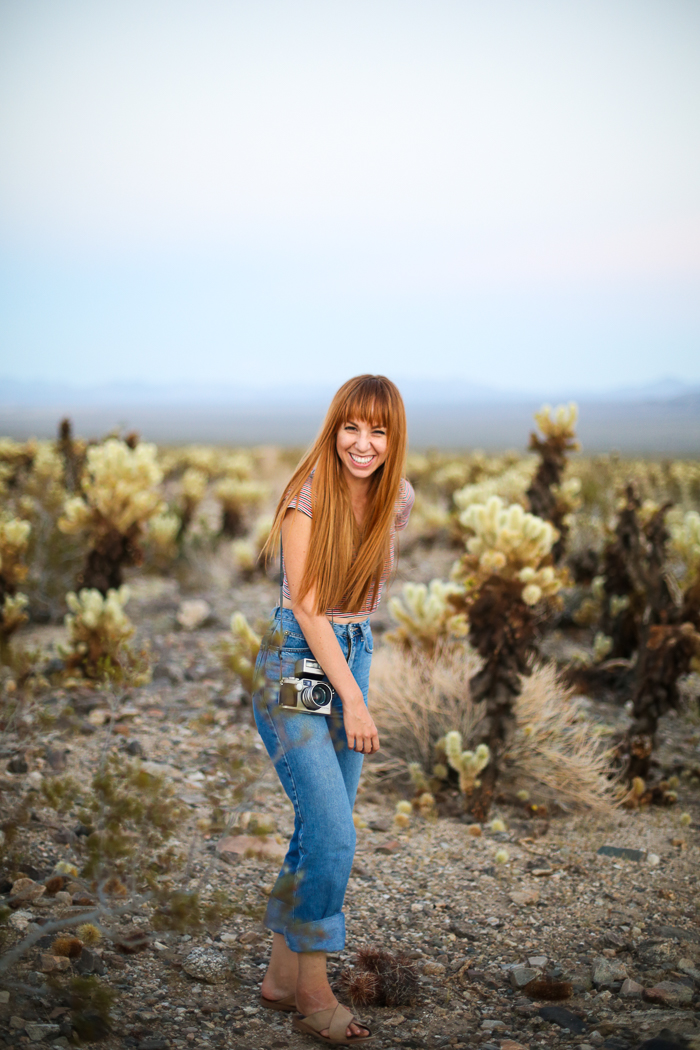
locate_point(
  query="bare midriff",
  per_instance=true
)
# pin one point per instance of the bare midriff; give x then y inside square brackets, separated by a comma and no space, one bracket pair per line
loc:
[338,617]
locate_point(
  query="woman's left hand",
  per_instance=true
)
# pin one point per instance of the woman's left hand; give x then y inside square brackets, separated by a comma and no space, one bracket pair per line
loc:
[360,729]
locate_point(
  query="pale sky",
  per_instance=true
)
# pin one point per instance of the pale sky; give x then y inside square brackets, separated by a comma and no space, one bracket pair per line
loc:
[505,190]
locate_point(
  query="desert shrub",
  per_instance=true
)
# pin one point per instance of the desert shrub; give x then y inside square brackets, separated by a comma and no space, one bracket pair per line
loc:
[246,553]
[193,487]
[509,591]
[160,540]
[510,486]
[550,496]
[428,721]
[14,540]
[98,634]
[238,498]
[425,617]
[417,697]
[555,748]
[239,653]
[120,493]
[53,557]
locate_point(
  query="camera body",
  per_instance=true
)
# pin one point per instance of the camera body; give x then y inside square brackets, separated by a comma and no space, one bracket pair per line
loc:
[307,690]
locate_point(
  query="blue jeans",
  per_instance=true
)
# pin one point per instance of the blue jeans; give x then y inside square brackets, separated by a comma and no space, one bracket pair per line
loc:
[320,775]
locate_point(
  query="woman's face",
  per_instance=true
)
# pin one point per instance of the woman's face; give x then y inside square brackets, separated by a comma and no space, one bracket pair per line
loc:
[361,447]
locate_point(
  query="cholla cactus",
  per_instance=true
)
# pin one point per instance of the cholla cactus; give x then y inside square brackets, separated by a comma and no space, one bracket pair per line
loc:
[512,544]
[161,535]
[685,541]
[245,553]
[239,653]
[429,520]
[467,764]
[425,617]
[509,587]
[12,615]
[236,497]
[121,493]
[98,632]
[550,497]
[193,487]
[509,486]
[14,540]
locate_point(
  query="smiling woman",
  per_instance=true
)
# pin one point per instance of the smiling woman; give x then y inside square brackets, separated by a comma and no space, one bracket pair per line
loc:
[337,520]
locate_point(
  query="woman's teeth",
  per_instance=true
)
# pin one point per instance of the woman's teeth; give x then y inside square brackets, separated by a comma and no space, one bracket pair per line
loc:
[361,461]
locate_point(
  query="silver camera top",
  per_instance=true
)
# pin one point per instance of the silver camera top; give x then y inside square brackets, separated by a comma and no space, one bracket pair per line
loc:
[307,668]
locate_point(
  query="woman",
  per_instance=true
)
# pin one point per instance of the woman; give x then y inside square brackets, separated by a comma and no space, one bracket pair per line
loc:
[336,521]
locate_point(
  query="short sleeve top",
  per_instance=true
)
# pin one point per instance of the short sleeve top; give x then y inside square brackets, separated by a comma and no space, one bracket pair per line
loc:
[403,506]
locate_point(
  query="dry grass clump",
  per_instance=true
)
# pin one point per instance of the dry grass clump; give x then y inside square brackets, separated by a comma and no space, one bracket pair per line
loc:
[556,748]
[416,698]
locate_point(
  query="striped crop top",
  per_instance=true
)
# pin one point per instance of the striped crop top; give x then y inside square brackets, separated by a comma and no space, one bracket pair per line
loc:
[404,503]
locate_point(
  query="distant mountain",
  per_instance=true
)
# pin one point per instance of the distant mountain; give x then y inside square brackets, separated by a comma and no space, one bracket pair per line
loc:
[429,392]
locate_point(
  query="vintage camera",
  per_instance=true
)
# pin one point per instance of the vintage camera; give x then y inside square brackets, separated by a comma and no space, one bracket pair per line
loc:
[306,691]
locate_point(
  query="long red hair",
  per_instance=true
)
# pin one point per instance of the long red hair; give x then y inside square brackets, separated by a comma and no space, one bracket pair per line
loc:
[345,564]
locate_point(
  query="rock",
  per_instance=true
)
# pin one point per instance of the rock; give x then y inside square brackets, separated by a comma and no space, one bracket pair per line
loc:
[669,993]
[538,961]
[37,1032]
[521,976]
[380,825]
[653,860]
[631,990]
[54,963]
[56,759]
[666,1040]
[388,847]
[607,972]
[135,749]
[524,897]
[26,890]
[433,969]
[687,966]
[510,1044]
[4,997]
[193,613]
[564,1018]
[207,964]
[17,764]
[622,852]
[251,937]
[491,1024]
[263,847]
[90,962]
[154,1042]
[99,716]
[62,897]
[19,920]
[131,940]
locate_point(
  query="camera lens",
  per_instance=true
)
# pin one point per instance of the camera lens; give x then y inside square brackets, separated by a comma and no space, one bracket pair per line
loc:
[315,696]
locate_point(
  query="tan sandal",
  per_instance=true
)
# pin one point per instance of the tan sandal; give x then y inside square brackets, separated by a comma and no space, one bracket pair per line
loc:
[287,1003]
[335,1020]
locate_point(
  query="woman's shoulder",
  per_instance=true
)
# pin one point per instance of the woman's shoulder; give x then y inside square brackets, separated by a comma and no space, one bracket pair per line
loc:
[302,502]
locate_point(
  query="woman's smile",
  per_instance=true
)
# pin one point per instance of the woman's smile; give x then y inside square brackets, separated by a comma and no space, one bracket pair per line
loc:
[361,447]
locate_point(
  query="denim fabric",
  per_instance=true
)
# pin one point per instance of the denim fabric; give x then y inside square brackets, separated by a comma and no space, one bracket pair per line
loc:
[320,775]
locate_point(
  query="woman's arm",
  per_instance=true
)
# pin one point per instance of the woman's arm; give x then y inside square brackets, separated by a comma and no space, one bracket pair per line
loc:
[359,726]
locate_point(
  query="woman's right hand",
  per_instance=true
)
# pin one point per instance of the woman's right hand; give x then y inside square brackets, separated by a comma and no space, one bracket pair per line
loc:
[360,728]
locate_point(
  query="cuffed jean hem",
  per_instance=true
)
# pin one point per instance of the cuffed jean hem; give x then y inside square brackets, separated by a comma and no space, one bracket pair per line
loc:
[321,935]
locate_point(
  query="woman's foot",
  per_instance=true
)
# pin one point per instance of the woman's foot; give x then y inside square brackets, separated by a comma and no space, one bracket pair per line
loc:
[282,972]
[323,999]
